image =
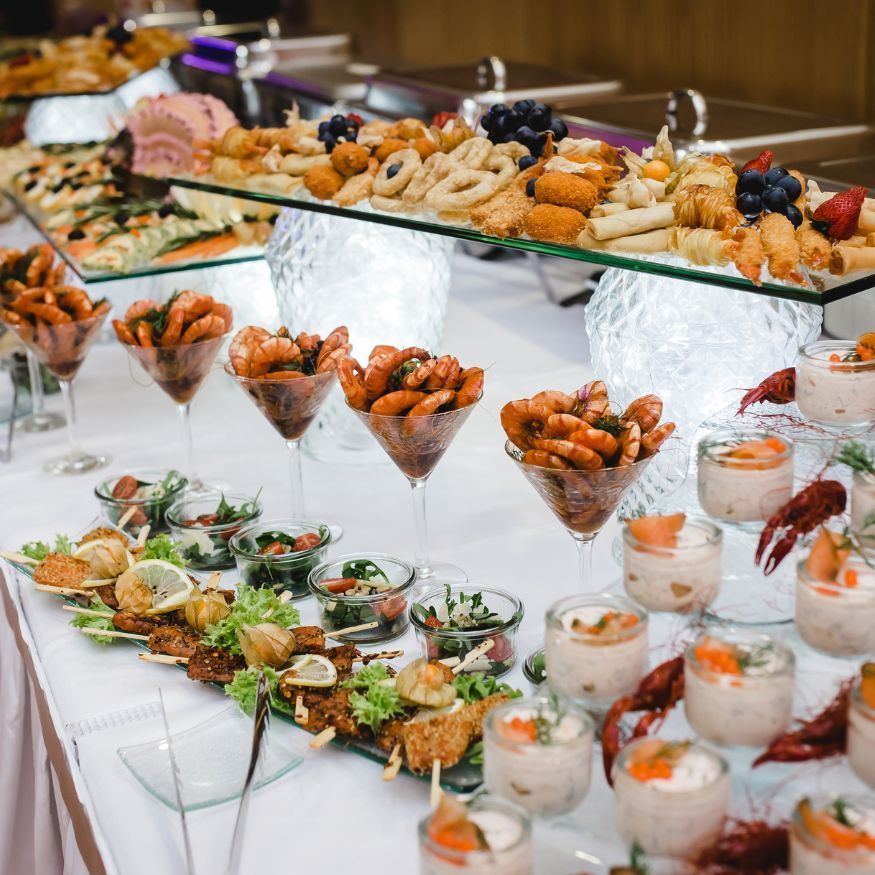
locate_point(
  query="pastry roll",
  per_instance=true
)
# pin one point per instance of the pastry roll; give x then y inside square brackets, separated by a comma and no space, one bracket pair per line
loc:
[866,222]
[857,240]
[814,248]
[703,206]
[782,250]
[846,259]
[631,222]
[600,210]
[650,241]
[702,245]
[749,255]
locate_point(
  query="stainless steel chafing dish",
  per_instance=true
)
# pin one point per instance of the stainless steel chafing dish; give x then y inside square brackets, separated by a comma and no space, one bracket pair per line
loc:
[471,88]
[712,124]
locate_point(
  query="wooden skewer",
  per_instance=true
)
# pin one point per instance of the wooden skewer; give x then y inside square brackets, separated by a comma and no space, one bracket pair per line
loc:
[302,712]
[126,517]
[393,764]
[436,791]
[323,738]
[114,633]
[20,558]
[93,584]
[450,661]
[383,654]
[476,653]
[60,590]
[285,596]
[351,629]
[87,612]
[163,658]
[213,582]
[143,536]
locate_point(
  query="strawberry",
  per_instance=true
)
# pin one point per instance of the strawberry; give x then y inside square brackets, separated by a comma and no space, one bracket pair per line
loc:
[442,118]
[762,162]
[841,212]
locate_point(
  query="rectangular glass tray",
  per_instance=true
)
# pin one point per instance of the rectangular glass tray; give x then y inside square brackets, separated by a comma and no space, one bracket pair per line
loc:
[825,287]
[238,255]
[461,778]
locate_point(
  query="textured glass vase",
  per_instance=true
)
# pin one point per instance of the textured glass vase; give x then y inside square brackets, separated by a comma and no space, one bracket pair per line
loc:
[387,285]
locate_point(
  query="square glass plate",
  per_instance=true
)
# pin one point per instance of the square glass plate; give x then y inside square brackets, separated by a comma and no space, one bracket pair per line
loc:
[824,288]
[212,758]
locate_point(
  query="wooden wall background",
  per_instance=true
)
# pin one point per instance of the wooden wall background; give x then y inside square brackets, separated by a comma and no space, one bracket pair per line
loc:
[805,54]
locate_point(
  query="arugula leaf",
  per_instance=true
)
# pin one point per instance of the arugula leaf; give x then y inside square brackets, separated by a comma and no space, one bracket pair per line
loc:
[83,621]
[252,606]
[170,481]
[244,690]
[228,513]
[478,685]
[378,703]
[363,569]
[40,549]
[162,547]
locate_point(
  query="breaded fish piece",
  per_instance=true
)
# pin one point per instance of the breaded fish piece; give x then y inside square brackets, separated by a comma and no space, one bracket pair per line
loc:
[58,569]
[555,224]
[504,214]
[566,190]
[782,250]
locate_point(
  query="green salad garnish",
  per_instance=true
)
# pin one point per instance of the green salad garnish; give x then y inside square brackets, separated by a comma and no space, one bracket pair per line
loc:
[162,547]
[38,550]
[105,624]
[479,685]
[251,607]
[373,702]
[244,690]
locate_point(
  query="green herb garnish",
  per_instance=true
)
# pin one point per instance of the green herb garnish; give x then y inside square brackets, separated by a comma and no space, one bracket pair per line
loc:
[105,624]
[161,547]
[244,690]
[38,550]
[363,569]
[479,685]
[251,607]
[856,456]
[228,513]
[475,754]
[377,702]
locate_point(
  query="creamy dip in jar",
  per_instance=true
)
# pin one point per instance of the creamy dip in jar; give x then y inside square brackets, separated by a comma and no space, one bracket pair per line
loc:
[681,574]
[738,688]
[833,836]
[670,797]
[863,508]
[538,753]
[837,617]
[744,476]
[861,727]
[832,389]
[595,647]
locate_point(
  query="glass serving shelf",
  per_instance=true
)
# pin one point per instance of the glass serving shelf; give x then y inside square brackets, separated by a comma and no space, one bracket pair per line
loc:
[824,288]
[239,255]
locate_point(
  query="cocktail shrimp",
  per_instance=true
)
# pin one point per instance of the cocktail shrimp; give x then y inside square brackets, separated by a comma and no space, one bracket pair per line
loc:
[592,401]
[646,411]
[351,376]
[379,370]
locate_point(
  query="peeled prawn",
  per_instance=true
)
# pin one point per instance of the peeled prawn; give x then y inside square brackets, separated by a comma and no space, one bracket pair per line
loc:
[603,442]
[206,328]
[646,411]
[276,350]
[653,440]
[580,456]
[397,403]
[630,444]
[378,371]
[592,401]
[523,421]
[543,459]
[243,347]
[349,372]
[471,387]
[432,403]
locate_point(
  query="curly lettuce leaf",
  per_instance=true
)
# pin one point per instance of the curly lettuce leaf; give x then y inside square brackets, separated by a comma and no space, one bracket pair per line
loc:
[162,547]
[374,701]
[251,607]
[478,685]
[105,624]
[244,690]
[38,550]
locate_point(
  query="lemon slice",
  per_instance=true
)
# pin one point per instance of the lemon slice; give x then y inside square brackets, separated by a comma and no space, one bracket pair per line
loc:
[170,585]
[310,670]
[82,551]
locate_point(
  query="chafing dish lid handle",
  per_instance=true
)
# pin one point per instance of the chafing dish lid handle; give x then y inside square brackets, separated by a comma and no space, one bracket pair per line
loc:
[700,108]
[493,68]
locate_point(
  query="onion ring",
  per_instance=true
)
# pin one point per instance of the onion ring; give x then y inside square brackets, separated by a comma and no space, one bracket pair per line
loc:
[435,168]
[473,153]
[410,162]
[461,189]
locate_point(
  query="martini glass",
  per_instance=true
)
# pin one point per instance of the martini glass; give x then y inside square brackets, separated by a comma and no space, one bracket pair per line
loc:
[416,444]
[583,501]
[62,348]
[40,419]
[180,371]
[290,406]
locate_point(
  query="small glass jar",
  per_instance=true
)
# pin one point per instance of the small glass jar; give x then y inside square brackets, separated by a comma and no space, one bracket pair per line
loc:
[835,618]
[863,508]
[680,820]
[812,855]
[507,830]
[679,579]
[861,738]
[287,572]
[548,775]
[204,545]
[746,710]
[437,643]
[840,393]
[738,490]
[387,609]
[594,669]
[160,489]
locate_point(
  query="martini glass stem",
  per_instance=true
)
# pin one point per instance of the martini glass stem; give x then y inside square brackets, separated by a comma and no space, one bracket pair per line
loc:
[187,444]
[70,412]
[584,561]
[296,478]
[420,523]
[38,402]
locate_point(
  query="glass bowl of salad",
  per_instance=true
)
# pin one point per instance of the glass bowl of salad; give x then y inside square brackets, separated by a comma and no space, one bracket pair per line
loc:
[203,524]
[363,588]
[280,554]
[143,497]
[451,621]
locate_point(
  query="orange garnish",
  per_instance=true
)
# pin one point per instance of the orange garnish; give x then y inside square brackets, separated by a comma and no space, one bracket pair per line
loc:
[610,622]
[866,346]
[851,578]
[823,826]
[717,656]
[451,827]
[867,684]
[434,677]
[519,730]
[650,769]
[835,357]
[763,449]
[657,531]
[826,559]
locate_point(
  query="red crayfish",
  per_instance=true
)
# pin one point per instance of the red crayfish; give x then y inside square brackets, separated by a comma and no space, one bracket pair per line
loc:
[753,847]
[657,693]
[802,514]
[779,388]
[824,735]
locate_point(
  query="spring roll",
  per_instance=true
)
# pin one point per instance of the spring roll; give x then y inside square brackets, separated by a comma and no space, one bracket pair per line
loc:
[600,210]
[585,240]
[631,222]
[866,222]
[650,241]
[846,259]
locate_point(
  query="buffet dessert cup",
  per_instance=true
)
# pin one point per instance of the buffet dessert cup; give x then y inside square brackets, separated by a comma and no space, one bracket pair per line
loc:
[180,371]
[452,620]
[832,391]
[339,608]
[259,566]
[416,445]
[670,797]
[837,617]
[746,488]
[861,735]
[202,536]
[289,406]
[538,753]
[156,491]
[863,508]
[40,419]
[504,827]
[62,348]
[679,578]
[595,648]
[833,836]
[583,501]
[738,688]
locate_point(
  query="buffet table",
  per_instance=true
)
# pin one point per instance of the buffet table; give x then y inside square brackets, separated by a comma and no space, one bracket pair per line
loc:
[334,808]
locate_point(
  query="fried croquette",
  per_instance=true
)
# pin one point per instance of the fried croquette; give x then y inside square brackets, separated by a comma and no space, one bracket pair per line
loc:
[424,146]
[504,214]
[566,190]
[407,129]
[554,224]
[323,182]
[388,147]
[348,159]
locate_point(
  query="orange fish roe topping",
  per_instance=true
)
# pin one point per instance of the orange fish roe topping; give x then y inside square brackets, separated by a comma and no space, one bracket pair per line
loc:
[717,656]
[610,624]
[825,826]
[867,684]
[519,730]
[654,759]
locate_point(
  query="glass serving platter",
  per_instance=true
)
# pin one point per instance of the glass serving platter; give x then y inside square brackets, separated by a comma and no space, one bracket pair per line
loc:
[238,255]
[824,288]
